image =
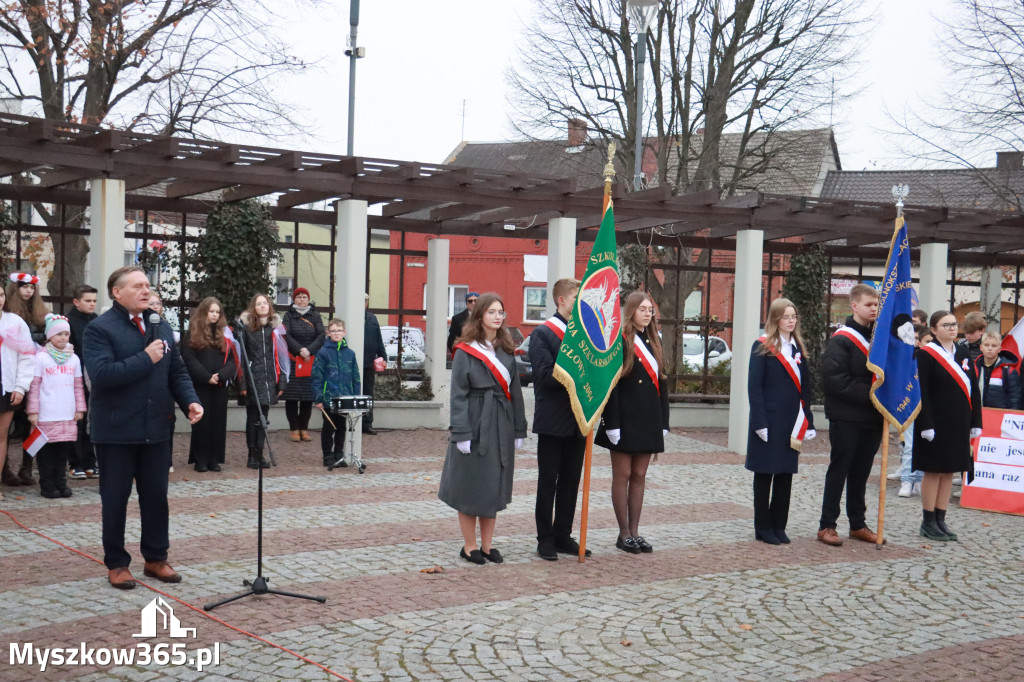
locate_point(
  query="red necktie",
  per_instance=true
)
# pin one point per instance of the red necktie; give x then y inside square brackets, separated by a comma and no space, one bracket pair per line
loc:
[138,323]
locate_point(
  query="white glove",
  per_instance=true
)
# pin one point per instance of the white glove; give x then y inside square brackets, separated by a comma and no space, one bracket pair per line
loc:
[519,443]
[975,433]
[811,434]
[463,446]
[928,435]
[614,435]
[762,434]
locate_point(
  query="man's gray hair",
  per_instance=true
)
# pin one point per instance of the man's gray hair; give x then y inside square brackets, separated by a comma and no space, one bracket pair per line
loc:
[117,277]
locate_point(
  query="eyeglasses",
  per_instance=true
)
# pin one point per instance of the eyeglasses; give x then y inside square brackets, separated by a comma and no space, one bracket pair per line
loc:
[789,318]
[949,325]
[496,313]
[471,301]
[335,331]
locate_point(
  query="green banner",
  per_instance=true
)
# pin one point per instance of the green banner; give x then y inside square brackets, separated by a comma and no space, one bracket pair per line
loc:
[590,357]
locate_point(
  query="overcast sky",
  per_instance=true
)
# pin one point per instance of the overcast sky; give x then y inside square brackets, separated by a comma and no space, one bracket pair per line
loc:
[425,59]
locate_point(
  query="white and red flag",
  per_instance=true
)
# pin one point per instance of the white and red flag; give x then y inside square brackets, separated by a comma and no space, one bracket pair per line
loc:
[35,441]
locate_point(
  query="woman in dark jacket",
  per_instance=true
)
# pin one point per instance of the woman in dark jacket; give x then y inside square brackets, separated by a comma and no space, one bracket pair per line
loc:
[262,336]
[210,358]
[779,390]
[635,420]
[998,380]
[950,417]
[304,336]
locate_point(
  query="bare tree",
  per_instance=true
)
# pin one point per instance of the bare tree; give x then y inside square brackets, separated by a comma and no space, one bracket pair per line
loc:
[199,67]
[753,69]
[982,109]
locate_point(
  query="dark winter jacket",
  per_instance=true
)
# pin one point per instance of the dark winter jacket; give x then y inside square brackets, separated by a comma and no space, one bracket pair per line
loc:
[78,320]
[775,403]
[132,397]
[455,330]
[373,341]
[335,372]
[269,370]
[847,380]
[552,414]
[202,364]
[302,331]
[973,349]
[1000,384]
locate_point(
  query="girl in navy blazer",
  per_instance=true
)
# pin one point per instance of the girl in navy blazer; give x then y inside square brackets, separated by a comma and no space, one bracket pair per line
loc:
[779,389]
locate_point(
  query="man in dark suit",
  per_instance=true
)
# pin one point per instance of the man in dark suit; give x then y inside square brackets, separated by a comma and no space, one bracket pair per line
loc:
[459,319]
[373,348]
[560,445]
[137,374]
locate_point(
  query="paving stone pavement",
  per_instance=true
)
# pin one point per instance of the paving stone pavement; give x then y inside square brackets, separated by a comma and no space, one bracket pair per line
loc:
[709,603]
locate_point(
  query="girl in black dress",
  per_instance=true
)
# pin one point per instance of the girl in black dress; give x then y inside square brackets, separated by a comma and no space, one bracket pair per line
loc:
[210,358]
[779,389]
[950,418]
[635,420]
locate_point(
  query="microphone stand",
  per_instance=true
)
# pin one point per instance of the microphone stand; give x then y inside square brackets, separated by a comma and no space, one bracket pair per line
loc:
[259,584]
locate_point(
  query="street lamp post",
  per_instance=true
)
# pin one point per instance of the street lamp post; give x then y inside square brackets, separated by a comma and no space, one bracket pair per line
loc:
[641,15]
[353,54]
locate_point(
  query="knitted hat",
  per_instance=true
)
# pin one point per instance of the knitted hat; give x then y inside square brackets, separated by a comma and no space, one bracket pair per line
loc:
[55,324]
[24,278]
[472,294]
[299,291]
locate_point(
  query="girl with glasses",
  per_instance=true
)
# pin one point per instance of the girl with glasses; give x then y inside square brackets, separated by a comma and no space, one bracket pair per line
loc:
[950,418]
[488,424]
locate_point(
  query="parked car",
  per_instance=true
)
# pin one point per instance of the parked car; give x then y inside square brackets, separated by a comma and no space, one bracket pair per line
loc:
[413,356]
[523,367]
[693,352]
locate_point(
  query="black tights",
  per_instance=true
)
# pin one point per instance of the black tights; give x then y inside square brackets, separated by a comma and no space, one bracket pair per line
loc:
[298,412]
[772,515]
[629,478]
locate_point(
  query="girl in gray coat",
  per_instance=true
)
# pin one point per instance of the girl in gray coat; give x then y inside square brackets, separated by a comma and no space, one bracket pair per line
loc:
[488,425]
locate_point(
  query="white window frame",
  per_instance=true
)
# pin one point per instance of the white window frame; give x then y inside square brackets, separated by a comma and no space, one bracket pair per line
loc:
[543,312]
[283,292]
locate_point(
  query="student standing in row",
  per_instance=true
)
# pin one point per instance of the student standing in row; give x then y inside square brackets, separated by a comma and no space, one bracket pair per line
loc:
[17,365]
[779,389]
[83,311]
[268,364]
[998,379]
[335,374]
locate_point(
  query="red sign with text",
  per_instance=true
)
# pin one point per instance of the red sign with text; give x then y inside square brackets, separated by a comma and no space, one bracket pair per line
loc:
[998,464]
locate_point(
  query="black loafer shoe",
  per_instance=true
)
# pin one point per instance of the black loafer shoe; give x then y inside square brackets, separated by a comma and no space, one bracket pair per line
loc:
[644,546]
[214,467]
[568,545]
[201,468]
[628,545]
[370,431]
[546,550]
[474,557]
[494,556]
[66,492]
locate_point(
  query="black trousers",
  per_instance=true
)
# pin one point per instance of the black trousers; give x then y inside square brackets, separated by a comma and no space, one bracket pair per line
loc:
[254,435]
[52,460]
[83,457]
[853,452]
[332,440]
[369,379]
[559,466]
[771,500]
[145,465]
[298,412]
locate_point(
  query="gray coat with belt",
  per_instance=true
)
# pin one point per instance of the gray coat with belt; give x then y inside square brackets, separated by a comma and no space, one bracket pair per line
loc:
[480,483]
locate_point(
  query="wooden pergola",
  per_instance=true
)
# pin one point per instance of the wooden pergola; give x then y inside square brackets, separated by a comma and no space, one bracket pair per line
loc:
[181,175]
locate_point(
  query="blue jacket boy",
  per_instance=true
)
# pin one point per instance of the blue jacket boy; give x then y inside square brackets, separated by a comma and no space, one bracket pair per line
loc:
[335,372]
[1000,382]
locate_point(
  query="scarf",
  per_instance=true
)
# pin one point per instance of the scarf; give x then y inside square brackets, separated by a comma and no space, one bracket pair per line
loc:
[301,311]
[60,356]
[263,320]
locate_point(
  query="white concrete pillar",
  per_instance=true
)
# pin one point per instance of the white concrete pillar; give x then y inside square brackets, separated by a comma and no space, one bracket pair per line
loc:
[992,297]
[437,312]
[106,235]
[350,279]
[561,254]
[746,323]
[933,273]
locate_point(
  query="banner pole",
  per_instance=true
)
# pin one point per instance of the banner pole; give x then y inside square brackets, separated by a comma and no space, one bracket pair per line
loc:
[881,485]
[587,457]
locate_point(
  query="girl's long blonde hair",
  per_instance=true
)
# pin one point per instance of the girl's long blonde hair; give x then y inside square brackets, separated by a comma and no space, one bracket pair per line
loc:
[773,338]
[629,331]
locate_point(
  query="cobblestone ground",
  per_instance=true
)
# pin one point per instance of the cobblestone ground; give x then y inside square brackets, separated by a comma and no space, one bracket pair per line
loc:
[710,602]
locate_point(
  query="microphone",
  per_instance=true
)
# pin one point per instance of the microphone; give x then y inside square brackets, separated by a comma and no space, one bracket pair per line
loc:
[154,323]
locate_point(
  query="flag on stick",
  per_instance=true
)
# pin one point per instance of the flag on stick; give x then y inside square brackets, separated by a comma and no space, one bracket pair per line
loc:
[1014,342]
[35,441]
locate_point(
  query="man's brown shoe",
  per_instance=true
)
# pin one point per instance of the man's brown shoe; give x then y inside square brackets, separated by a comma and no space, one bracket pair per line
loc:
[162,571]
[121,578]
[305,436]
[865,535]
[296,436]
[830,537]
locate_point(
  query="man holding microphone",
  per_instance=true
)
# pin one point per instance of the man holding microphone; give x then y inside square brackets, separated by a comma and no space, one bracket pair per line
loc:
[137,375]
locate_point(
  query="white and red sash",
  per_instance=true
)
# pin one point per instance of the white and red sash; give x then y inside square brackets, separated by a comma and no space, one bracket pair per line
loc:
[557,326]
[647,360]
[948,363]
[791,365]
[855,336]
[491,362]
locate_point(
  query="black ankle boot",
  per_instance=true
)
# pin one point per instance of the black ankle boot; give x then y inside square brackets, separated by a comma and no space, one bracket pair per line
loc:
[766,535]
[940,521]
[253,462]
[930,530]
[25,472]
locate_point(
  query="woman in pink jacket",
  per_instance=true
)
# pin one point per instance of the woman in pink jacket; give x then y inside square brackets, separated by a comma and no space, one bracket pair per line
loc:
[56,402]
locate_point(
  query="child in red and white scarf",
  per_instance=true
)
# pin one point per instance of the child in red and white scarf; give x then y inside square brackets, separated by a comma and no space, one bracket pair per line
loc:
[56,402]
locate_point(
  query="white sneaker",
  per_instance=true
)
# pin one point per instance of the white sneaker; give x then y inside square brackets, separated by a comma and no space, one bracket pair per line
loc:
[958,479]
[894,476]
[956,493]
[906,489]
[916,490]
